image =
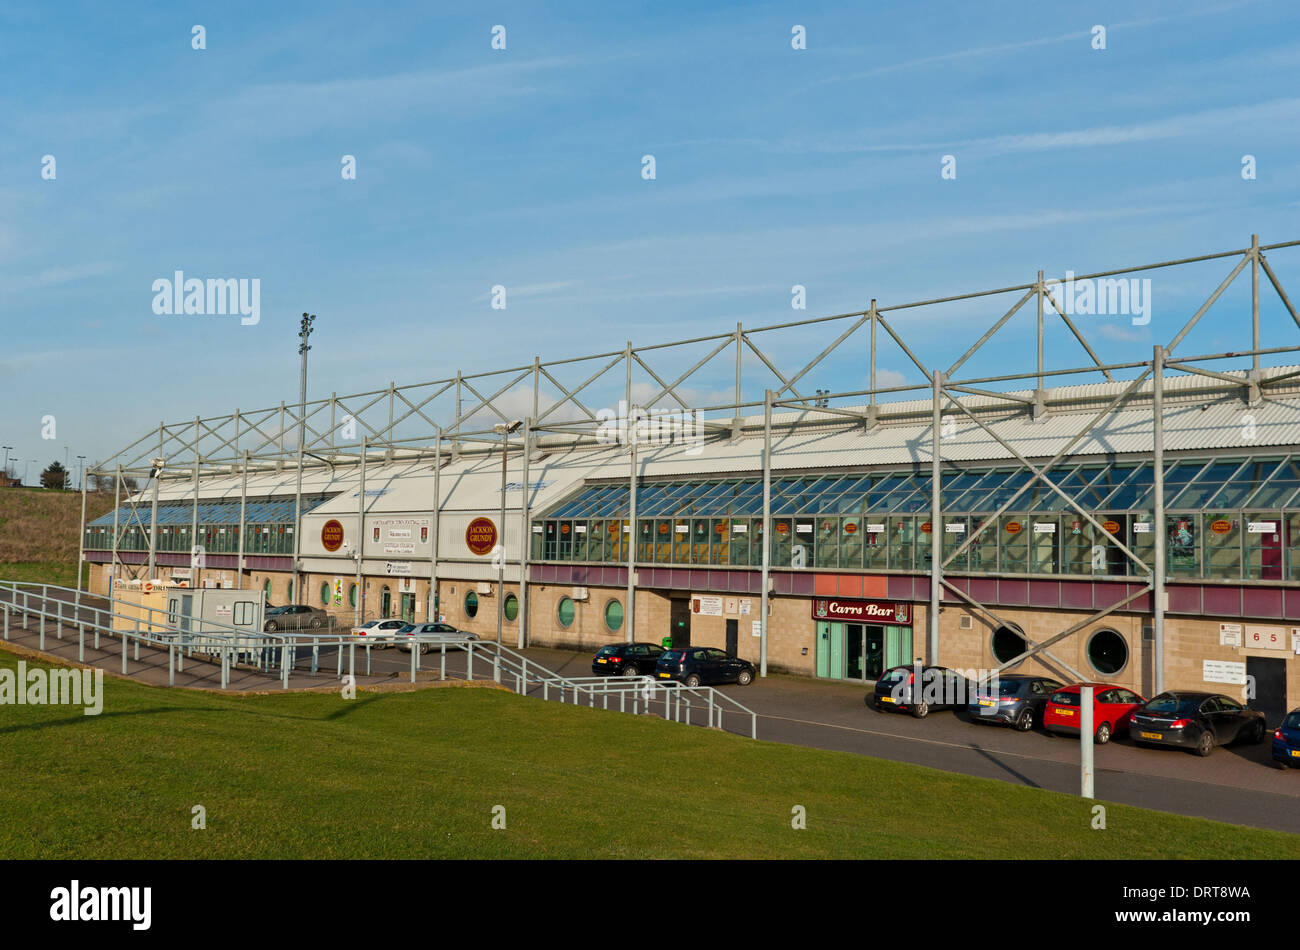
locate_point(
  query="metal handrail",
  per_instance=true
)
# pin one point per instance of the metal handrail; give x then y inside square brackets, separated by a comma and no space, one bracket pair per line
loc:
[230,643]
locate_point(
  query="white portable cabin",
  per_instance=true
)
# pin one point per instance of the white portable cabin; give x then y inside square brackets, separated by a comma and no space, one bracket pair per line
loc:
[211,611]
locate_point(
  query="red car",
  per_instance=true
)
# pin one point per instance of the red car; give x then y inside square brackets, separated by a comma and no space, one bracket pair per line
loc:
[1112,708]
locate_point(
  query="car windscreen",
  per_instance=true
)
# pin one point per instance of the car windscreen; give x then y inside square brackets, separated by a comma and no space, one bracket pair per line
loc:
[674,656]
[406,628]
[1292,721]
[608,651]
[1008,687]
[1065,699]
[895,675]
[1169,705]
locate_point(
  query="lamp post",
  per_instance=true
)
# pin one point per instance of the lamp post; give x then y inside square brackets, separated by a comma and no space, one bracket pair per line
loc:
[304,333]
[503,429]
[81,472]
[65,468]
[5,470]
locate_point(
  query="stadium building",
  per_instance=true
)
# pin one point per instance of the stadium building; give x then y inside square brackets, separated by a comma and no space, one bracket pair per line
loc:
[1141,529]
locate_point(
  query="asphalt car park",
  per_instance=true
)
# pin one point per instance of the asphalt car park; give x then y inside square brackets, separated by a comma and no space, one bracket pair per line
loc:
[1238,784]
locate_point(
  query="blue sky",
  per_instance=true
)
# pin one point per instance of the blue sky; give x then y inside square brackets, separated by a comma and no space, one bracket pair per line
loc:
[522,167]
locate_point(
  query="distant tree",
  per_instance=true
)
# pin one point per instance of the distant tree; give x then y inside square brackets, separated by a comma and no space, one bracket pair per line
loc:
[129,484]
[55,476]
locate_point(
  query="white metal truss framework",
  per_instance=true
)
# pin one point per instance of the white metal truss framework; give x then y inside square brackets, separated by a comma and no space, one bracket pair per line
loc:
[414,422]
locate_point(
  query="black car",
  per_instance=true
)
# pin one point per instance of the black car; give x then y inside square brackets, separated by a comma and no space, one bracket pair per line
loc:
[1196,721]
[695,666]
[1016,699]
[627,659]
[1286,741]
[940,688]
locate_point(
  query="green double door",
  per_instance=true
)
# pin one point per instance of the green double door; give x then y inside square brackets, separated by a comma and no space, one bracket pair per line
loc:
[860,651]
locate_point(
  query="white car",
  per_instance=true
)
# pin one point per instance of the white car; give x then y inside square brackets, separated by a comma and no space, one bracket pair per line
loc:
[381,631]
[436,629]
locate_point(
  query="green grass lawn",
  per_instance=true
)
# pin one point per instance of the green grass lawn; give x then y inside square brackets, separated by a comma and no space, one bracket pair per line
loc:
[417,774]
[41,572]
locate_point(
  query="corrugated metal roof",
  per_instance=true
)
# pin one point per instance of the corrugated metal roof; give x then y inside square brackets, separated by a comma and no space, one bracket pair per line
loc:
[1200,415]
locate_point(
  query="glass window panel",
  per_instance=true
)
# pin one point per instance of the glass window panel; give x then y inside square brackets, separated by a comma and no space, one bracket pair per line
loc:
[1243,484]
[1262,540]
[826,530]
[740,542]
[851,542]
[1222,532]
[1044,543]
[901,532]
[719,540]
[663,540]
[1182,546]
[1198,493]
[1133,494]
[681,541]
[699,541]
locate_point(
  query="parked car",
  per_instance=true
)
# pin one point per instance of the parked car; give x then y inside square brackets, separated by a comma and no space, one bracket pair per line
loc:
[1018,701]
[380,631]
[296,617]
[695,666]
[627,659]
[412,630]
[1112,709]
[1286,741]
[1196,721]
[940,688]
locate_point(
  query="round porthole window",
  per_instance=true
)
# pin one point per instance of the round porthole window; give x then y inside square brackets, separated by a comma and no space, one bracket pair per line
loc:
[614,616]
[511,607]
[565,612]
[1008,643]
[1107,651]
[471,604]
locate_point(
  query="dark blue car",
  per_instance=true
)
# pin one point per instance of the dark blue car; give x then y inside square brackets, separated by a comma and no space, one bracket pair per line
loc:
[703,666]
[1286,741]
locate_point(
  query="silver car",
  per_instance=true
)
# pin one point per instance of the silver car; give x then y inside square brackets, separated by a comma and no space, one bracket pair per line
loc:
[434,629]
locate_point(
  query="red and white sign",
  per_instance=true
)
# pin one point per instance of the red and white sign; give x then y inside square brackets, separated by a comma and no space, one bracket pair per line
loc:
[862,611]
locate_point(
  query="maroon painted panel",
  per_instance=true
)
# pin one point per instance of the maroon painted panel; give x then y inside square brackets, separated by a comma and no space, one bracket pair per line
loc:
[898,586]
[984,589]
[1262,602]
[1077,594]
[1044,594]
[1104,595]
[1291,598]
[801,584]
[1013,593]
[1217,601]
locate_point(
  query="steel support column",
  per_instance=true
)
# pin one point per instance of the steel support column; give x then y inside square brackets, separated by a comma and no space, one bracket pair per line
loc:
[767,531]
[1158,489]
[936,521]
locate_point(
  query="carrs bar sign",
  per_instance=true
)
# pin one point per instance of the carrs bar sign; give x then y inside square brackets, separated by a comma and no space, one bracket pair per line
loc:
[862,611]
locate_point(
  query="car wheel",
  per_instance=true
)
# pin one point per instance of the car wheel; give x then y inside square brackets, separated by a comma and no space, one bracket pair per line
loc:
[1025,721]
[1103,734]
[424,648]
[692,680]
[272,626]
[630,670]
[921,710]
[1205,744]
[1258,735]
[315,623]
[745,678]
